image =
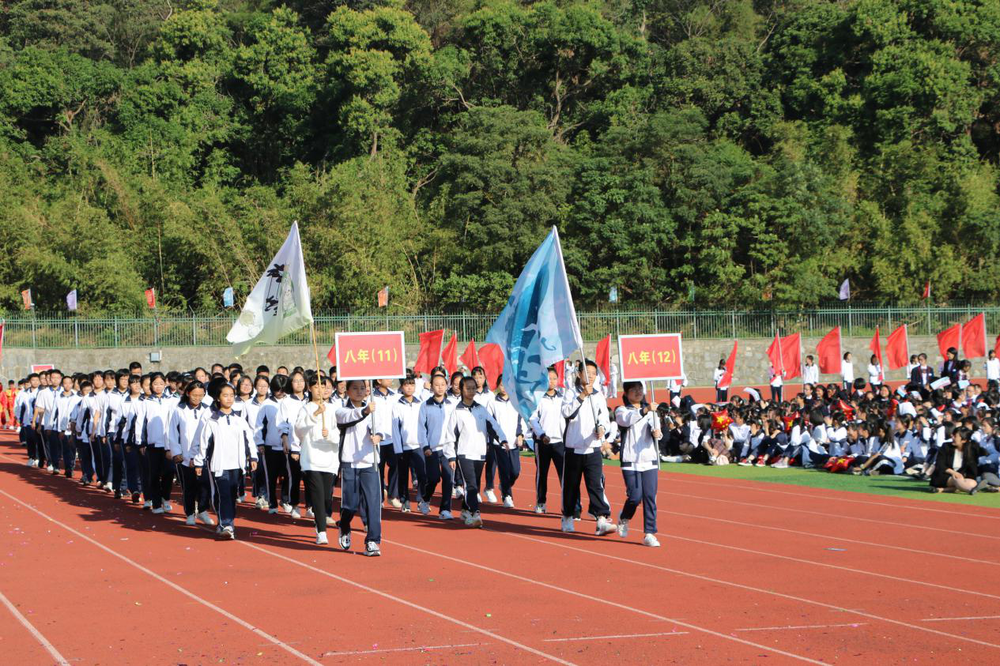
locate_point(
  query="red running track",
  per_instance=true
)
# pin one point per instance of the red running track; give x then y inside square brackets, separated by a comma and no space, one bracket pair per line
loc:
[748,573]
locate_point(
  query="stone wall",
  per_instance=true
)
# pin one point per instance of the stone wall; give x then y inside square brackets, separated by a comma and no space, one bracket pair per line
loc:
[700,358]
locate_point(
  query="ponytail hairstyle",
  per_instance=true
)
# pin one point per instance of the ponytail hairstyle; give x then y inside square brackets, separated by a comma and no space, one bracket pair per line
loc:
[215,387]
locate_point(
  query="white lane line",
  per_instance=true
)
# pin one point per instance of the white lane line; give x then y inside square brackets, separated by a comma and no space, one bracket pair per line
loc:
[950,619]
[608,602]
[750,588]
[616,637]
[805,626]
[422,609]
[44,642]
[421,648]
[191,595]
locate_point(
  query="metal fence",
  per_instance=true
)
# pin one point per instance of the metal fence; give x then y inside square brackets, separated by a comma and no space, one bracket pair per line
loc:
[66,332]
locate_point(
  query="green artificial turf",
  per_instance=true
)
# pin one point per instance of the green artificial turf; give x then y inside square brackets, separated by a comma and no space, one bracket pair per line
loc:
[897,486]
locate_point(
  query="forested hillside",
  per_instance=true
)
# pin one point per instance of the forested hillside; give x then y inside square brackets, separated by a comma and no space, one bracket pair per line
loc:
[733,151]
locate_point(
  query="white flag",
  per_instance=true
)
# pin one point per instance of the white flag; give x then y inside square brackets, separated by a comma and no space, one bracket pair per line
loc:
[279,304]
[845,290]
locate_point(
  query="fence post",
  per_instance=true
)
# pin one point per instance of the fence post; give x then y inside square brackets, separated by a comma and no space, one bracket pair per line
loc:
[34,334]
[76,332]
[694,324]
[115,318]
[732,316]
[194,330]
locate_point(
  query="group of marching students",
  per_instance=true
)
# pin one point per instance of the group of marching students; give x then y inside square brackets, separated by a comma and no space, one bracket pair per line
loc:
[226,436]
[939,427]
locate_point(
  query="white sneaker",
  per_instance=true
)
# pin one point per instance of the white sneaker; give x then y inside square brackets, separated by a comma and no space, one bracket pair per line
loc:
[372,549]
[508,502]
[446,515]
[189,520]
[424,507]
[344,540]
[287,507]
[567,524]
[622,526]
[491,496]
[294,513]
[261,503]
[31,462]
[454,492]
[310,513]
[539,508]
[158,510]
[167,506]
[51,468]
[205,518]
[330,521]
[604,526]
[228,532]
[479,496]
[781,464]
[321,539]
[651,541]
[465,515]
[459,491]
[148,504]
[475,520]
[396,503]
[405,507]
[274,510]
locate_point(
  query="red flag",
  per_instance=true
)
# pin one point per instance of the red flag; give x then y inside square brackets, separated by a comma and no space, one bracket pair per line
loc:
[383,297]
[996,346]
[950,337]
[727,379]
[847,409]
[876,346]
[26,299]
[721,421]
[927,289]
[469,356]
[774,354]
[897,348]
[332,354]
[974,337]
[828,354]
[151,298]
[603,358]
[491,356]
[791,355]
[449,357]
[430,352]
[1,339]
[560,367]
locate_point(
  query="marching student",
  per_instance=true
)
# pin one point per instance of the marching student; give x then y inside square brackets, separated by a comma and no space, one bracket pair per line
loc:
[640,432]
[721,392]
[360,485]
[135,463]
[484,396]
[320,449]
[474,427]
[847,371]
[222,448]
[251,411]
[24,409]
[182,435]
[437,445]
[103,384]
[288,415]
[268,435]
[547,425]
[586,414]
[508,457]
[42,421]
[113,416]
[77,426]
[156,416]
[388,470]
[406,438]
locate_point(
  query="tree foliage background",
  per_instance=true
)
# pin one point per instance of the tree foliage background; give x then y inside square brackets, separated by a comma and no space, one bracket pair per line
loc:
[740,150]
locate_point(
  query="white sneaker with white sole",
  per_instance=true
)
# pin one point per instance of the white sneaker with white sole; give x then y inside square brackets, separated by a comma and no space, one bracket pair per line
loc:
[508,502]
[294,513]
[205,518]
[539,508]
[604,526]
[491,496]
[344,540]
[167,506]
[445,515]
[424,507]
[567,524]
[622,526]
[321,539]
[228,532]
[651,541]
[189,520]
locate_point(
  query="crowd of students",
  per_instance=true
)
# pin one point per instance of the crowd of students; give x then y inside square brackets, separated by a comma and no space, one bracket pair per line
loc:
[225,436]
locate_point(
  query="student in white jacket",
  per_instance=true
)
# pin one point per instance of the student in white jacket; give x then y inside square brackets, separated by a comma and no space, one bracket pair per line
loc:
[182,436]
[320,452]
[360,487]
[640,428]
[474,427]
[437,444]
[224,446]
[508,457]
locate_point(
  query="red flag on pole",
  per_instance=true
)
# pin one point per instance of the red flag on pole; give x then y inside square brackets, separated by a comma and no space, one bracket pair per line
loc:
[950,337]
[430,352]
[828,354]
[603,358]
[491,357]
[26,299]
[449,357]
[791,355]
[927,289]
[727,378]
[897,348]
[876,347]
[560,367]
[151,298]
[996,346]
[469,357]
[774,354]
[383,297]
[974,336]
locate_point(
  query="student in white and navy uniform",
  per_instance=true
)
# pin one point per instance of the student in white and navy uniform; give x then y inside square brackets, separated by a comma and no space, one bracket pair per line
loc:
[65,400]
[874,374]
[103,385]
[262,389]
[222,449]
[360,485]
[484,396]
[721,390]
[437,444]
[288,414]
[269,436]
[586,414]
[136,467]
[383,395]
[45,411]
[508,457]
[78,426]
[406,438]
[320,448]
[182,437]
[24,409]
[775,379]
[112,418]
[156,417]
[473,428]
[992,371]
[810,371]
[547,426]
[847,371]
[640,432]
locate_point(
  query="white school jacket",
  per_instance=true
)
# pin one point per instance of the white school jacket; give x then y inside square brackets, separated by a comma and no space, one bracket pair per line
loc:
[405,424]
[993,369]
[474,427]
[504,412]
[182,430]
[548,419]
[267,428]
[583,419]
[227,440]
[810,374]
[638,448]
[356,430]
[318,453]
[81,421]
[130,422]
[64,404]
[113,412]
[156,420]
[383,414]
[46,401]
[288,415]
[432,422]
[99,412]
